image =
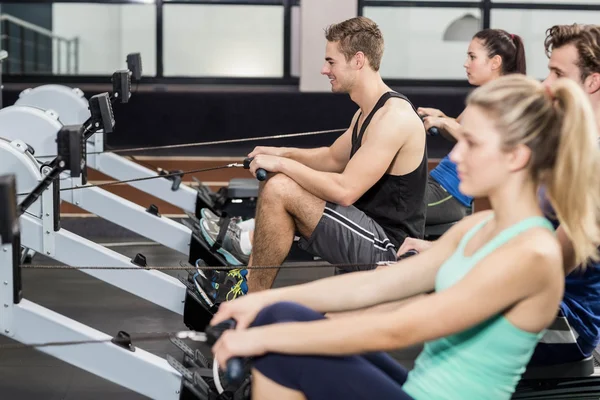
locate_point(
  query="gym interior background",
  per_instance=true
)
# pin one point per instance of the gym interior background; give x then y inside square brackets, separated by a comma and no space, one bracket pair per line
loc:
[215,70]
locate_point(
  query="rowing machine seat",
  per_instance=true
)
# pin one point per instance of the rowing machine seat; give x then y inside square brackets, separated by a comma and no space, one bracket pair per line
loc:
[242,188]
[237,198]
[576,369]
[433,232]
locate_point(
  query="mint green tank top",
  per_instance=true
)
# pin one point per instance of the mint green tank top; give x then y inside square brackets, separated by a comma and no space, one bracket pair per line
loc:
[485,361]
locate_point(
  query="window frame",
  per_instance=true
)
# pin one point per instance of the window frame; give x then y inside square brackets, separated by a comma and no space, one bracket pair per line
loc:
[485,6]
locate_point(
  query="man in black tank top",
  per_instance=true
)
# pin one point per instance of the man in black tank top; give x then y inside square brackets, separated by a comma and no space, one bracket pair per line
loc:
[356,201]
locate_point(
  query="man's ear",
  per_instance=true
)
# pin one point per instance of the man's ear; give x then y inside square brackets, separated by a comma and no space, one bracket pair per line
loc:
[359,60]
[593,83]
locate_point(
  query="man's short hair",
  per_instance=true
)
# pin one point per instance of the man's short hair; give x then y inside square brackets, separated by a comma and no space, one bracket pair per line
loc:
[358,34]
[585,38]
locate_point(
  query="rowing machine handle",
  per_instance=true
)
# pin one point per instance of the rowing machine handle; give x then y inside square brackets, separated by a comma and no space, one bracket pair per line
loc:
[235,366]
[261,174]
[409,253]
[433,131]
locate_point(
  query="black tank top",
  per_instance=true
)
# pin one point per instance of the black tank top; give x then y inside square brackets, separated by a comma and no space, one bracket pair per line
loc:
[396,202]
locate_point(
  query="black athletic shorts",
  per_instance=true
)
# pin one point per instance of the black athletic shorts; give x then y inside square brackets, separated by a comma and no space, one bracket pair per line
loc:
[346,235]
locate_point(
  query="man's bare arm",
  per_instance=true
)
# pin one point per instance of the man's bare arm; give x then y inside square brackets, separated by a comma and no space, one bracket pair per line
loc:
[386,136]
[327,159]
[448,127]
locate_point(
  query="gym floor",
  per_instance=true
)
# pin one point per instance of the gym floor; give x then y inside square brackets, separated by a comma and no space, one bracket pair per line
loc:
[30,374]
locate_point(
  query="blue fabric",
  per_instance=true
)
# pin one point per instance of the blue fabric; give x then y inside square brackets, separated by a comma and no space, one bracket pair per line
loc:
[581,301]
[445,174]
[364,377]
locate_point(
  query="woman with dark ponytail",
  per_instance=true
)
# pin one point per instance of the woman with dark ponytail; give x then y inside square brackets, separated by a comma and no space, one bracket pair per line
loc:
[492,53]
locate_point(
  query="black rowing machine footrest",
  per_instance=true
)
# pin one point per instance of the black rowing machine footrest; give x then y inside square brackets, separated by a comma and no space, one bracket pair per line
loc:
[200,249]
[196,313]
[205,198]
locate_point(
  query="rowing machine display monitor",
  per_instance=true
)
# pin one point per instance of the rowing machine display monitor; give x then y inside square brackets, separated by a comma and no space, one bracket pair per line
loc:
[69,149]
[102,113]
[121,81]
[69,144]
[3,56]
[8,211]
[9,231]
[134,64]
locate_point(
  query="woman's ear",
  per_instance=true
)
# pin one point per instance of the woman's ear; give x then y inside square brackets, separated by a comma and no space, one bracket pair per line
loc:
[519,157]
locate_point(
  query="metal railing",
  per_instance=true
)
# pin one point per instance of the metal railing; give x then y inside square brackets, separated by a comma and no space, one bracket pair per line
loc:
[36,50]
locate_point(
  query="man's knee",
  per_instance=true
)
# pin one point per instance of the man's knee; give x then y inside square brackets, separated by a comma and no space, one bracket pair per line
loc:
[279,187]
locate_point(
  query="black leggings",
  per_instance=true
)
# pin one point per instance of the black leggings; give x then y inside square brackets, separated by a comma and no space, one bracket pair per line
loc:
[442,207]
[368,376]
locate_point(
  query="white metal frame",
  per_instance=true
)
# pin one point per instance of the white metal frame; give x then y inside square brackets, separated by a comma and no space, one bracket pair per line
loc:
[71,106]
[38,234]
[38,128]
[127,214]
[29,323]
[120,168]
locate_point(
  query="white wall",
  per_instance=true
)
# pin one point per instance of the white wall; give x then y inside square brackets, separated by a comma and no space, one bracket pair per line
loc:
[532,25]
[138,35]
[316,15]
[414,46]
[221,41]
[296,42]
[107,33]
[247,41]
[98,27]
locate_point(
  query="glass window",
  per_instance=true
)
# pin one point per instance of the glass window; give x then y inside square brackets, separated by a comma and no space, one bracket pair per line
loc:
[295,45]
[223,40]
[366,2]
[83,38]
[548,1]
[425,43]
[531,25]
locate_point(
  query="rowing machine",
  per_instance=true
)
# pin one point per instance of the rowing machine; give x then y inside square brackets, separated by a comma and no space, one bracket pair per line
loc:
[41,231]
[577,379]
[27,124]
[238,198]
[114,359]
[37,128]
